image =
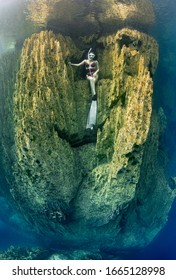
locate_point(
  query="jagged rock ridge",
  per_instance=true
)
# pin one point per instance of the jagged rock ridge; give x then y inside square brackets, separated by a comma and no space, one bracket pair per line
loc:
[79,187]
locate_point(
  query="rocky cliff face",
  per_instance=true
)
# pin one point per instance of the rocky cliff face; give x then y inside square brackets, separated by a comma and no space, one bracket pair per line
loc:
[89,17]
[104,188]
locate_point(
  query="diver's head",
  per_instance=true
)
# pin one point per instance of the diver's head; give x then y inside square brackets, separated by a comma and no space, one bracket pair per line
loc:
[91,55]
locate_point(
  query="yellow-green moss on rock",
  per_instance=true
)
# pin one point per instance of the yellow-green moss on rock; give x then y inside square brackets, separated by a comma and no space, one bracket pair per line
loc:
[125,106]
[74,186]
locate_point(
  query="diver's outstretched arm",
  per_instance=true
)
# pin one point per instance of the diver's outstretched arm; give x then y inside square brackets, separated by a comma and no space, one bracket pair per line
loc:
[77,64]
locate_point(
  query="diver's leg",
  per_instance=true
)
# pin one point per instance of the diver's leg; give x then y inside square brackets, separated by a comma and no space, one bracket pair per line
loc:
[92,81]
[92,86]
[91,120]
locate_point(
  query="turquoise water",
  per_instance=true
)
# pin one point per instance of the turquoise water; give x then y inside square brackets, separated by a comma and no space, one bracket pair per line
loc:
[164,245]
[165,86]
[14,231]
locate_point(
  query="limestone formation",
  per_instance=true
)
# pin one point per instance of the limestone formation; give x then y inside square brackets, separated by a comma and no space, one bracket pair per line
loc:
[80,17]
[104,188]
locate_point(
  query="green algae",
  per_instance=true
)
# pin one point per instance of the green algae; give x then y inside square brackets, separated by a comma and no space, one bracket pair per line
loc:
[70,184]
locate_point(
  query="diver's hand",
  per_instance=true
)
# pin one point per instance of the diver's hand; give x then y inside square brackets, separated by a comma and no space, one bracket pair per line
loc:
[94,75]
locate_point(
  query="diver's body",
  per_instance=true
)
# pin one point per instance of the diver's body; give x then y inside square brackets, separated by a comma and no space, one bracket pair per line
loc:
[92,69]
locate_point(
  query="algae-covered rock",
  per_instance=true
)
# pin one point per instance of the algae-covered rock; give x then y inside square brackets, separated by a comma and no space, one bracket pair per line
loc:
[125,105]
[25,253]
[77,187]
[80,17]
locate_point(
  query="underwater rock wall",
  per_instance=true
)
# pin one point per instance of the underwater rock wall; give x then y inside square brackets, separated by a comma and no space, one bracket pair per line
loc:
[74,186]
[8,70]
[154,192]
[97,16]
[45,117]
[125,105]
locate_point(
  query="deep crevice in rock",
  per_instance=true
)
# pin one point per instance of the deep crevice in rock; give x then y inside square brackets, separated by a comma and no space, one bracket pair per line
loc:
[76,140]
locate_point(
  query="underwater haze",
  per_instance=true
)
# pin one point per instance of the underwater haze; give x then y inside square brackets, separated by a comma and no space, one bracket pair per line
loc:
[14,29]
